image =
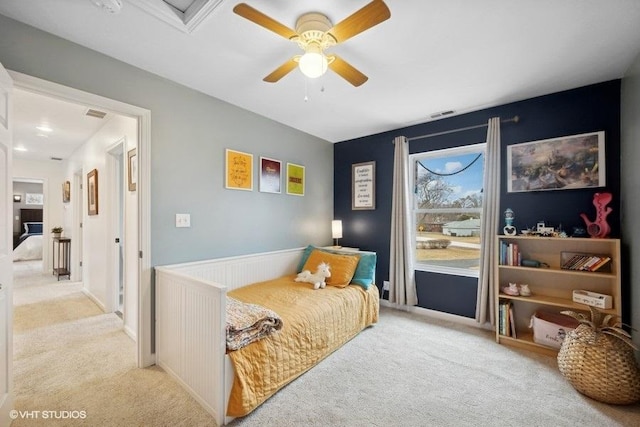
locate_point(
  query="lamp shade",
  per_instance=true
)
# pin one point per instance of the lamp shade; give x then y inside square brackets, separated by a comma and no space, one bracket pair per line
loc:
[336,229]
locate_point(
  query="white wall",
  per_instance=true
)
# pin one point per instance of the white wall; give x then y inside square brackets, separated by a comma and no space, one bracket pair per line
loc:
[98,232]
[630,176]
[52,175]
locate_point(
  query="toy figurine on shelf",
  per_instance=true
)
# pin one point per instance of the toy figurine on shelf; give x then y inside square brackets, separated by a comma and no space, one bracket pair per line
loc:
[599,227]
[509,229]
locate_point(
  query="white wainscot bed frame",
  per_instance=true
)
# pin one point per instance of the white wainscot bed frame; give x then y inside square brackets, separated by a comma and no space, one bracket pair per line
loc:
[191,320]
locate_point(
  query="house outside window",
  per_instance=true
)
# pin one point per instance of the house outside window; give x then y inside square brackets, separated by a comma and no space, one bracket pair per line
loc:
[447,209]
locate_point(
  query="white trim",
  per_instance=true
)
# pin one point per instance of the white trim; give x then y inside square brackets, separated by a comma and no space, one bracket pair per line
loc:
[433,314]
[78,208]
[145,322]
[95,300]
[130,332]
[186,21]
[440,269]
[114,153]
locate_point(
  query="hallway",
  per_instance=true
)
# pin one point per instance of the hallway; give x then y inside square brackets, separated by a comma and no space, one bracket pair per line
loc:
[74,364]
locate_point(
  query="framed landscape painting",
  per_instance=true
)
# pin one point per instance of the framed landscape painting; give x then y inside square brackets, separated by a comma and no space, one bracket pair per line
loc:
[562,163]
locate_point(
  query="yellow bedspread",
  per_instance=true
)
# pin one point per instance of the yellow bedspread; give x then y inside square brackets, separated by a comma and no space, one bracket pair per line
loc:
[315,323]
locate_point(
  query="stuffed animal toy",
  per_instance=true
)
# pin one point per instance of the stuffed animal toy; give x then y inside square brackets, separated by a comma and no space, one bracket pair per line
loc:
[317,279]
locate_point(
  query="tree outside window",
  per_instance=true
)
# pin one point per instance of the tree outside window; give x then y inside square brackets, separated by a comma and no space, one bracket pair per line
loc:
[447,209]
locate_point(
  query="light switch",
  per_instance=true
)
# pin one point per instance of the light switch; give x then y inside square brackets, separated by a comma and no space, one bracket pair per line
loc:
[183,220]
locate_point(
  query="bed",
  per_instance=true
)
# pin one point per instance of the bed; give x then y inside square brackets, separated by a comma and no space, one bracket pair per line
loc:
[29,245]
[191,321]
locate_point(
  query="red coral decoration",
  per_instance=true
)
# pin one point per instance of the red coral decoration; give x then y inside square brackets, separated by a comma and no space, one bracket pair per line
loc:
[599,228]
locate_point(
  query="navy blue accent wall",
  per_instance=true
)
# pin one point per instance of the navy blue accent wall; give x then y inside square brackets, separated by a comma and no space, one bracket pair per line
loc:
[587,109]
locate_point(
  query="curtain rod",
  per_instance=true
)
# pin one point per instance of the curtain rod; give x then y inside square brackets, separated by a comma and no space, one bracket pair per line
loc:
[514,119]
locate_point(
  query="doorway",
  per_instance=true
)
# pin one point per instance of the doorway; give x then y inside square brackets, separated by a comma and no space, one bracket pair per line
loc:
[142,271]
[29,208]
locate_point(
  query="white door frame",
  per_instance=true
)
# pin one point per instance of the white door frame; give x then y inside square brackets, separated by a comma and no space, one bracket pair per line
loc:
[6,252]
[145,322]
[115,153]
[77,190]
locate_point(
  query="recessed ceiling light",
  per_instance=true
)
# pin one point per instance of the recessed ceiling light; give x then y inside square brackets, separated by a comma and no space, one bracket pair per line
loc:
[44,128]
[20,148]
[43,135]
[110,6]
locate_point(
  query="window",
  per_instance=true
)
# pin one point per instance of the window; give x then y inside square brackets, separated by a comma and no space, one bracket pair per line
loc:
[447,206]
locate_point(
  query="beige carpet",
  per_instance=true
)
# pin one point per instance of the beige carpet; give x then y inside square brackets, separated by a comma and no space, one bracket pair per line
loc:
[69,356]
[409,371]
[404,371]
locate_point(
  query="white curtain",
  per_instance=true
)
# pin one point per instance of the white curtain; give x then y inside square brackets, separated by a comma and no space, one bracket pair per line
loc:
[485,310]
[402,286]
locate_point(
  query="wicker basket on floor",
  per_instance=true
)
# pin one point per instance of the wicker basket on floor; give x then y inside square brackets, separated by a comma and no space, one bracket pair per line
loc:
[598,363]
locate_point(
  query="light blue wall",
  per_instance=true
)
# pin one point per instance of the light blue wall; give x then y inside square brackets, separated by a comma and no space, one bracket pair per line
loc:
[630,173]
[189,132]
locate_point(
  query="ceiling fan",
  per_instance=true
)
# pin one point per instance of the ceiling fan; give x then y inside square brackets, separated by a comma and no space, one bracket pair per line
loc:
[314,34]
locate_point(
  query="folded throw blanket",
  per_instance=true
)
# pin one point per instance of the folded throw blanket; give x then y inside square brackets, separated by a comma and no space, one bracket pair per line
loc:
[247,323]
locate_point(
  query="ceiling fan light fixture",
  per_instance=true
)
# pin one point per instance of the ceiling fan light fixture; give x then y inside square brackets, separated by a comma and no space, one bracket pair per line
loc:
[313,63]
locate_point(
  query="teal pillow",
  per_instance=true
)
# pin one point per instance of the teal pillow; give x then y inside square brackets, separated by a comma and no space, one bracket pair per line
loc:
[305,255]
[365,274]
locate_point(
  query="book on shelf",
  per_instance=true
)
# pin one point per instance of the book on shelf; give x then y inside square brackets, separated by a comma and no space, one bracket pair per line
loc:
[588,263]
[506,320]
[510,254]
[604,261]
[512,321]
[585,262]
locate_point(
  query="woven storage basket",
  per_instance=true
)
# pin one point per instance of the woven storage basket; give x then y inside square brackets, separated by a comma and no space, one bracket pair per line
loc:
[600,366]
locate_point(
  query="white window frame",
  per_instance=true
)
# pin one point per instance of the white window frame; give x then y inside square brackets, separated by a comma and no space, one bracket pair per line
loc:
[453,151]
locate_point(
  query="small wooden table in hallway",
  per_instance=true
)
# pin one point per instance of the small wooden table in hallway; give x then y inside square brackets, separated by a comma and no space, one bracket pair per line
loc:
[61,257]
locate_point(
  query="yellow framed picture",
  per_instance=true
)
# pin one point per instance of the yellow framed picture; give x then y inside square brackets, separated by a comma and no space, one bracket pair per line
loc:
[295,179]
[238,170]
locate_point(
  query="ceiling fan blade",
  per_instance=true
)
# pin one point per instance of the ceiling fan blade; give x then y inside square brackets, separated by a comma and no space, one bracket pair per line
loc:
[281,71]
[363,19]
[347,71]
[263,20]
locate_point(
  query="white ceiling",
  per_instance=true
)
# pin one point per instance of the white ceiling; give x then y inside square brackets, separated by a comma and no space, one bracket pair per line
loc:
[69,126]
[430,56]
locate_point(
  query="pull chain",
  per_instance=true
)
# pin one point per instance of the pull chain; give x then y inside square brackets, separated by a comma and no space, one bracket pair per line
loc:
[306,90]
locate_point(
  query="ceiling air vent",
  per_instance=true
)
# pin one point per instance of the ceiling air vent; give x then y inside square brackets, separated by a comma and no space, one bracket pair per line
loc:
[56,158]
[442,113]
[95,113]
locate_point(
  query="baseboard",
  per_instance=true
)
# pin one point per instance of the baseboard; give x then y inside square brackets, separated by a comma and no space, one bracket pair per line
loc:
[94,299]
[433,314]
[131,333]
